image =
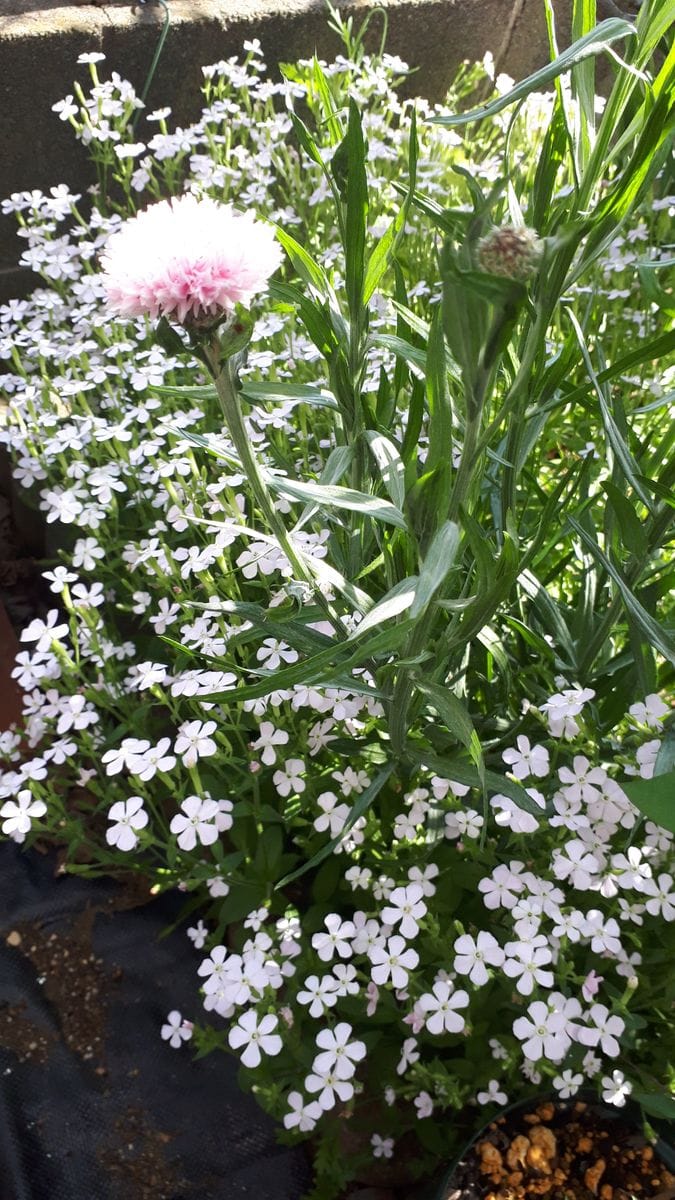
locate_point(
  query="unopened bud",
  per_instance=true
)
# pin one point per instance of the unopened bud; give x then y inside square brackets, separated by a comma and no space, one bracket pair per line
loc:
[633,982]
[511,251]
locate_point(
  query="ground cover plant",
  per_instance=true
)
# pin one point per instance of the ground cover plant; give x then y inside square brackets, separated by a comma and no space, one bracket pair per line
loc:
[359,458]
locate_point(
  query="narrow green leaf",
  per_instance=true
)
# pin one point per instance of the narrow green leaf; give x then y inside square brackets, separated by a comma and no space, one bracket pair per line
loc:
[338,497]
[331,119]
[438,561]
[631,527]
[307,268]
[583,79]
[390,465]
[455,716]
[621,451]
[548,612]
[359,808]
[647,351]
[440,412]
[349,170]
[326,667]
[412,355]
[449,768]
[595,42]
[654,632]
[387,245]
[398,600]
[196,391]
[337,464]
[665,759]
[306,140]
[314,316]
[306,393]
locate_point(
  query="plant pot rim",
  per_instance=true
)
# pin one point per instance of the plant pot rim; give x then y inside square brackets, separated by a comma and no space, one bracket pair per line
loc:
[630,1113]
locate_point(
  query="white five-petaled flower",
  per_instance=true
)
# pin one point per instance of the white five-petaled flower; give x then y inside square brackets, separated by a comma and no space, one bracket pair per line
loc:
[604,1030]
[616,1089]
[441,1005]
[424,876]
[267,742]
[198,934]
[18,814]
[351,780]
[336,940]
[661,895]
[301,1116]
[650,712]
[45,632]
[382,1147]
[526,760]
[406,907]
[465,823]
[196,823]
[128,817]
[339,1055]
[472,954]
[319,994]
[256,1037]
[567,1084]
[492,1095]
[117,759]
[409,1055]
[501,889]
[273,654]
[543,1033]
[424,1105]
[145,764]
[575,864]
[176,1031]
[194,741]
[509,814]
[563,707]
[290,779]
[328,1087]
[527,963]
[333,816]
[213,968]
[392,961]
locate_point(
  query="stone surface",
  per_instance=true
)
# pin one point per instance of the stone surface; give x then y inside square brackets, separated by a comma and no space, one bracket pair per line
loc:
[40,41]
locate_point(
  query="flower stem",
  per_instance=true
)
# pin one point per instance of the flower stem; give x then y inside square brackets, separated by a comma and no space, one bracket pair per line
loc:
[224,379]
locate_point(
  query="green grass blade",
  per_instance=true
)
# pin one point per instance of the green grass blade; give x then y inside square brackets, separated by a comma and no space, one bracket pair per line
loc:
[595,42]
[657,636]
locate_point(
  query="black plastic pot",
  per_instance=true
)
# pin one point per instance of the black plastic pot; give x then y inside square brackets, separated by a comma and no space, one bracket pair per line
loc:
[630,1114]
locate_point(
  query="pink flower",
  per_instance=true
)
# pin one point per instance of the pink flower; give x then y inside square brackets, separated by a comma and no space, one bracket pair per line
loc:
[591,985]
[372,996]
[187,257]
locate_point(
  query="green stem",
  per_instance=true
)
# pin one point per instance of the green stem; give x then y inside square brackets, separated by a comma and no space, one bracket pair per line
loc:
[223,377]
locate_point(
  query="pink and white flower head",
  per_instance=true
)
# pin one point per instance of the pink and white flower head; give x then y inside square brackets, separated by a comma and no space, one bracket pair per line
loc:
[188,258]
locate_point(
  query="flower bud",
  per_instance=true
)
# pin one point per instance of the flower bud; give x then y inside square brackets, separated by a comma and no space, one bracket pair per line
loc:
[511,251]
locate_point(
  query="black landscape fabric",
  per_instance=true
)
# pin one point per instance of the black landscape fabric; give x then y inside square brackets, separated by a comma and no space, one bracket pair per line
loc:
[93,1104]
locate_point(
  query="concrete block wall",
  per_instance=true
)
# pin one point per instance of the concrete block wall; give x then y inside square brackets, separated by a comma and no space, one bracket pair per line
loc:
[40,41]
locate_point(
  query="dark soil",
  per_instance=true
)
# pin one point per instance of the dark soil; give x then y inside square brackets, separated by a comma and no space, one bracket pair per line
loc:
[74,982]
[563,1151]
[135,1160]
[28,1041]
